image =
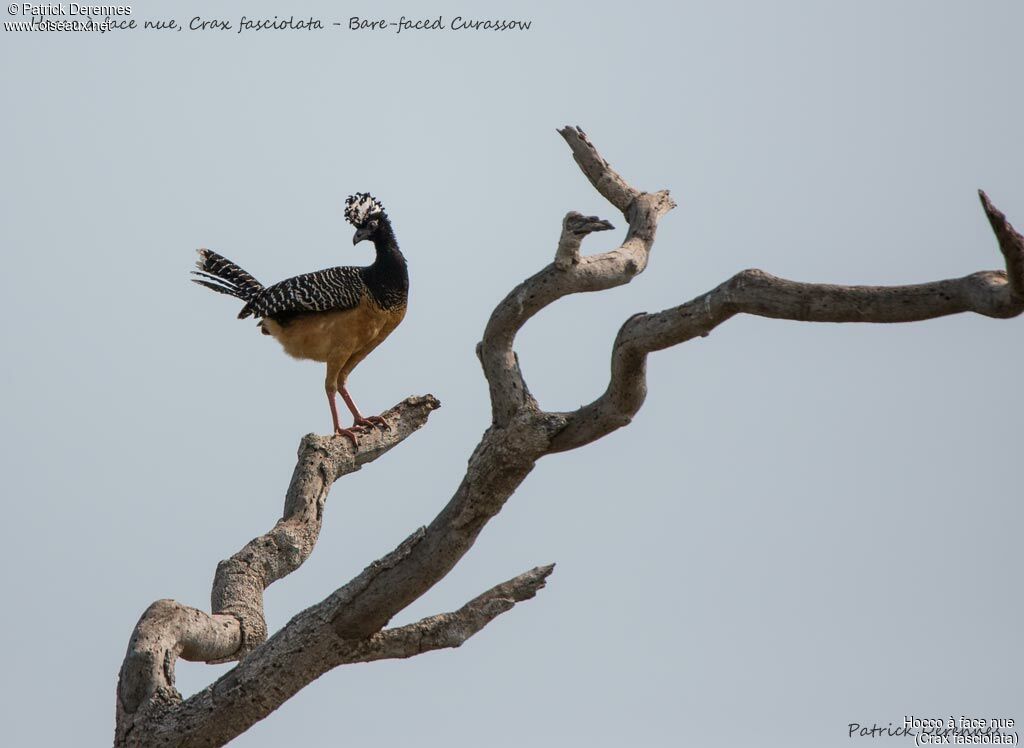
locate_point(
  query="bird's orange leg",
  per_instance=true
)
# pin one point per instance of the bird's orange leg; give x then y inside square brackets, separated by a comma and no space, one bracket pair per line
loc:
[331,386]
[338,430]
[359,419]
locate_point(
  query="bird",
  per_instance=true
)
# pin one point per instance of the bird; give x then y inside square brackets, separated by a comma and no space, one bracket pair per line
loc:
[336,316]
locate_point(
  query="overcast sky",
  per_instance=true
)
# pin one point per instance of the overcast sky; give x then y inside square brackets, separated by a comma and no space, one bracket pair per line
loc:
[805,526]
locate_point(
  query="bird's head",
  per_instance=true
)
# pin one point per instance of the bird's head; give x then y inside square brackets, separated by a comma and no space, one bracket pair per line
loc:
[366,213]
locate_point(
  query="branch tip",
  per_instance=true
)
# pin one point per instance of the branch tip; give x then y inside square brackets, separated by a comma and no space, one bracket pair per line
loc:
[1011,244]
[515,590]
[581,225]
[604,179]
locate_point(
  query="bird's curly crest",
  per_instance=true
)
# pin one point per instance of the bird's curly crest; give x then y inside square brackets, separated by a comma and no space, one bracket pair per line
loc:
[360,206]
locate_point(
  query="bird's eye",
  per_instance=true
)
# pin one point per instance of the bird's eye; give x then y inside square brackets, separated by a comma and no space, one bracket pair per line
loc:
[372,225]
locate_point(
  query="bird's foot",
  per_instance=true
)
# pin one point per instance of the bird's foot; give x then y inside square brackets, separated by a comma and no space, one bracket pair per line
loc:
[351,433]
[371,421]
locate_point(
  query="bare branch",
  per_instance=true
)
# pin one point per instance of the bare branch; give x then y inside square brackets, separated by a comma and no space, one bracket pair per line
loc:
[575,226]
[1011,244]
[500,463]
[453,629]
[988,293]
[168,629]
[239,583]
[604,178]
[307,648]
[569,273]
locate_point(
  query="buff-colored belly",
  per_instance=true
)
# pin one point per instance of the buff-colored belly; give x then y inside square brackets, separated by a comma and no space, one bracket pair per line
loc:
[345,336]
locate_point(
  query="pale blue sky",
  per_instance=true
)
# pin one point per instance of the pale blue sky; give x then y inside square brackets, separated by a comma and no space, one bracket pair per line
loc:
[805,526]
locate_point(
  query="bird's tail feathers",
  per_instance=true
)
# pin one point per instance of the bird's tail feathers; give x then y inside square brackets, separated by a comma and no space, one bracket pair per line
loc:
[220,274]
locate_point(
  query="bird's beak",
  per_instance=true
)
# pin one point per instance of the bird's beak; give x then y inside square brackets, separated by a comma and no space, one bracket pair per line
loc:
[360,235]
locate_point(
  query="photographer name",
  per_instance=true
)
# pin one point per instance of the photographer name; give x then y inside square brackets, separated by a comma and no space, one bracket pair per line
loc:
[72,9]
[458,23]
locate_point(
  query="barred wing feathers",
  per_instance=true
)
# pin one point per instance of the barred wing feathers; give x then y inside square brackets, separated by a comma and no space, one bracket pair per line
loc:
[323,291]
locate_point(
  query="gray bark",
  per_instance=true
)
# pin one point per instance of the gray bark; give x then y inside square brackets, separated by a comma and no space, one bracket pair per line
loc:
[350,625]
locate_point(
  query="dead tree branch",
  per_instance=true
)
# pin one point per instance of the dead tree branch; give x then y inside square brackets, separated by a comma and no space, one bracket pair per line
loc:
[307,647]
[992,293]
[168,629]
[349,626]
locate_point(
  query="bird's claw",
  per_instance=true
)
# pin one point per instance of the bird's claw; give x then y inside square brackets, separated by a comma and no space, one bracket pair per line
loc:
[370,421]
[350,433]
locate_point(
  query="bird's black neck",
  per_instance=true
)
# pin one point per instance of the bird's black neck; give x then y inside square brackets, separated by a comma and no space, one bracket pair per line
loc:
[389,257]
[388,275]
